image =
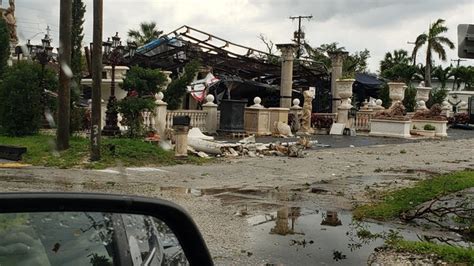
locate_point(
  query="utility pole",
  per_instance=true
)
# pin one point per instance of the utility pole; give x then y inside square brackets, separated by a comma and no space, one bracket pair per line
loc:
[414,57]
[96,66]
[65,74]
[299,35]
[456,77]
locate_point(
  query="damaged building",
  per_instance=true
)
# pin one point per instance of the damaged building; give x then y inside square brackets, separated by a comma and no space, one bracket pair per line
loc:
[241,73]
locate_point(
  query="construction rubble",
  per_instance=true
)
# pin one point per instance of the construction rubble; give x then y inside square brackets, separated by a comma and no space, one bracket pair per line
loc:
[206,146]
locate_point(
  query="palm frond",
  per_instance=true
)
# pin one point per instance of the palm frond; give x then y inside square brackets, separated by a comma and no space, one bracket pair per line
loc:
[420,40]
[439,49]
[446,41]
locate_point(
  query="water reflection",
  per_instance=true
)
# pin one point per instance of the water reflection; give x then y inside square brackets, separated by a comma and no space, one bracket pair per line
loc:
[331,219]
[285,215]
[299,236]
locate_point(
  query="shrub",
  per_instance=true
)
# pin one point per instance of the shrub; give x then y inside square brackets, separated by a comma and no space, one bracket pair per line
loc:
[318,121]
[79,119]
[437,96]
[177,88]
[4,45]
[144,81]
[410,99]
[459,118]
[384,95]
[429,127]
[131,107]
[21,99]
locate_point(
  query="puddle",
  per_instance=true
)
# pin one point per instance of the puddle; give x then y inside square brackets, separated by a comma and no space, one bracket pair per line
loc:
[296,236]
[237,195]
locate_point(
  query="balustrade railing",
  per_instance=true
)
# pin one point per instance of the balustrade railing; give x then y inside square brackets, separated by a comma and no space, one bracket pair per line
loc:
[362,120]
[198,118]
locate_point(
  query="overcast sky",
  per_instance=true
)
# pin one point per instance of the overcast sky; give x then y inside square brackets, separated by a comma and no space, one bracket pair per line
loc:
[378,25]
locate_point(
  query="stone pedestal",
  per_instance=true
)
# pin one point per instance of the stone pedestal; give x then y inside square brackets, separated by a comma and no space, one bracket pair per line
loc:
[296,110]
[232,116]
[160,115]
[286,86]
[257,121]
[390,128]
[337,58]
[181,145]
[211,109]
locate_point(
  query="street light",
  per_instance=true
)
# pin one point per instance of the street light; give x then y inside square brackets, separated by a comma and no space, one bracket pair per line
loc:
[114,55]
[43,54]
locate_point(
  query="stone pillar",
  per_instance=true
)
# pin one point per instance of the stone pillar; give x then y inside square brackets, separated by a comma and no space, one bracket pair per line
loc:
[181,145]
[211,119]
[296,111]
[286,85]
[337,58]
[160,115]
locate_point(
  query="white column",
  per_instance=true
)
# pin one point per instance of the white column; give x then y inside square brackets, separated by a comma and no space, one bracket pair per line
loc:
[160,114]
[211,119]
[286,85]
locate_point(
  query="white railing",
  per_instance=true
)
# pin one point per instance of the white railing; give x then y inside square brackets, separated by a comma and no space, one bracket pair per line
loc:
[148,119]
[198,118]
[362,120]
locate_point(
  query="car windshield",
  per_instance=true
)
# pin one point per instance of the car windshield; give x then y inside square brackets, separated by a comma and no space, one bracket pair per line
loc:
[292,132]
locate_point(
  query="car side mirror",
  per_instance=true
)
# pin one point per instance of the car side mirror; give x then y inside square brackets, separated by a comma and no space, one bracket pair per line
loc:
[96,229]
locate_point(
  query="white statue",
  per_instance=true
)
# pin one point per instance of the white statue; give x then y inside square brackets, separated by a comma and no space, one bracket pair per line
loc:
[307,111]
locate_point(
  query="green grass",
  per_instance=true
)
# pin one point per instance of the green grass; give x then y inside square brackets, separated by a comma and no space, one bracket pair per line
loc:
[128,152]
[450,254]
[396,202]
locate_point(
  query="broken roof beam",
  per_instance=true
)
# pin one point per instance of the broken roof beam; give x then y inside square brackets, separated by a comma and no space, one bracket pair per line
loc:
[189,29]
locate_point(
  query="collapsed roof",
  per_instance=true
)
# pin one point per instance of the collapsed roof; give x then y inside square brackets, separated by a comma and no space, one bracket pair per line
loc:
[227,59]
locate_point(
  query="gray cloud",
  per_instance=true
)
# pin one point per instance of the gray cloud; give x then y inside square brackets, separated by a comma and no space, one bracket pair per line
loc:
[379,25]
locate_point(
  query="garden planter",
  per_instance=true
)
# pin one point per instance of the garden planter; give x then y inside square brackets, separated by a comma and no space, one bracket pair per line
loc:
[396,91]
[440,126]
[344,90]
[390,128]
[425,133]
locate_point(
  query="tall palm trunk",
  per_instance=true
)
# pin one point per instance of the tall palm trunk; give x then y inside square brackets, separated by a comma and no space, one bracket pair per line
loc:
[428,67]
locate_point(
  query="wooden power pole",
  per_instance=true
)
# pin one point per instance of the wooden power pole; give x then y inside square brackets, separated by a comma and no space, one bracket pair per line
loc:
[96,66]
[65,75]
[299,34]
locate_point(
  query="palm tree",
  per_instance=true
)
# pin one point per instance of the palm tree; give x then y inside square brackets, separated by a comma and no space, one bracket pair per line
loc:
[145,34]
[442,74]
[398,57]
[434,43]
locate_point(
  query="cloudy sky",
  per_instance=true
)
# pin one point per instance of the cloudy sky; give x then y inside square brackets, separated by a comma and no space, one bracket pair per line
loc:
[378,25]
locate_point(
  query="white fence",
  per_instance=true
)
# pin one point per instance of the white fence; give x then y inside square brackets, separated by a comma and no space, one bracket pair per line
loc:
[198,118]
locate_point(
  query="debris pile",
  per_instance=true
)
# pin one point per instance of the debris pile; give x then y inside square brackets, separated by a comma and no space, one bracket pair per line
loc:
[206,146]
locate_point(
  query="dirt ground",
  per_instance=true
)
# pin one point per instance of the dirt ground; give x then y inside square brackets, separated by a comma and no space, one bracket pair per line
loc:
[221,196]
